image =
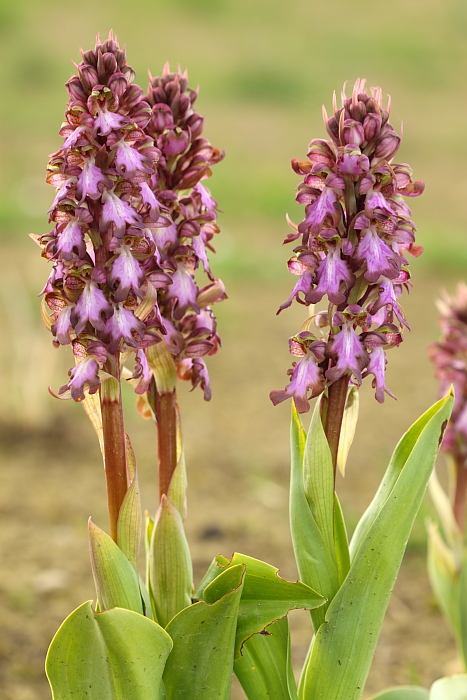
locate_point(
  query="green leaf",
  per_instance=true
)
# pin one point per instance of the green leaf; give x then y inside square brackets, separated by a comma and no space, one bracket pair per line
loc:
[318,479]
[265,668]
[130,515]
[265,597]
[341,543]
[444,578]
[201,662]
[107,656]
[116,580]
[400,456]
[349,424]
[344,646]
[170,568]
[407,692]
[450,688]
[316,565]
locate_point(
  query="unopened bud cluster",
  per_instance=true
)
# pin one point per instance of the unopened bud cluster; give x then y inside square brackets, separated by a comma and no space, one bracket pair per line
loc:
[132,222]
[352,251]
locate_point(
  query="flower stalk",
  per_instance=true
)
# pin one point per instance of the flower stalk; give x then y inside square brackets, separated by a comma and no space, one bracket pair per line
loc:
[114,442]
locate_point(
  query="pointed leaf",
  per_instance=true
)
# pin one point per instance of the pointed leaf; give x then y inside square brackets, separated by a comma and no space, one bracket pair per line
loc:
[399,457]
[107,656]
[450,688]
[316,565]
[170,568]
[130,515]
[341,543]
[117,583]
[265,669]
[318,479]
[349,424]
[407,692]
[344,646]
[201,663]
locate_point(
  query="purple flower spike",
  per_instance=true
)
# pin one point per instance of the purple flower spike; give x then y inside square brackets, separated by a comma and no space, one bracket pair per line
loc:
[355,237]
[133,224]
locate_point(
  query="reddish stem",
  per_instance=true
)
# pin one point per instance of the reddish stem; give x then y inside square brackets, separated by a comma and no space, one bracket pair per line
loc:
[164,406]
[114,442]
[337,396]
[460,493]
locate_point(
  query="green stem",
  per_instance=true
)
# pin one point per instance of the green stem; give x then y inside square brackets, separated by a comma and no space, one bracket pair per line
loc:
[337,396]
[114,442]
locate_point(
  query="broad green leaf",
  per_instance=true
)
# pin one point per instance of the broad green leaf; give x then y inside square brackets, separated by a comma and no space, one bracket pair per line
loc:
[349,424]
[265,669]
[407,692]
[341,542]
[344,646]
[450,688]
[201,662]
[265,597]
[130,515]
[444,579]
[400,456]
[107,656]
[116,580]
[318,479]
[316,565]
[170,568]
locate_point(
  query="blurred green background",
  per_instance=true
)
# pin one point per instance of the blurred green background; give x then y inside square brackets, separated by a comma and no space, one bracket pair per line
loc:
[264,68]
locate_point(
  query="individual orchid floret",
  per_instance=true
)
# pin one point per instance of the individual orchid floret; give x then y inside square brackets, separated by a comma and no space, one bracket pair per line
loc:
[307,380]
[355,239]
